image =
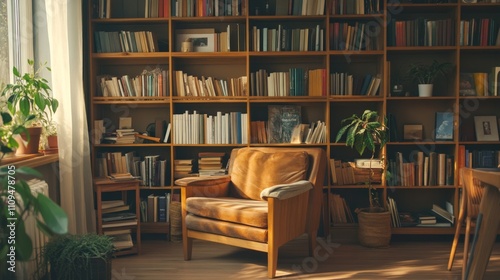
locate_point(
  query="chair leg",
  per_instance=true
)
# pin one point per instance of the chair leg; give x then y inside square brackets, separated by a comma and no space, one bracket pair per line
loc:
[312,244]
[455,240]
[187,245]
[272,261]
[466,244]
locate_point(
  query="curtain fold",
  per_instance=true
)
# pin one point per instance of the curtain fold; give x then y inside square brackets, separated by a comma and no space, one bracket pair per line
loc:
[64,25]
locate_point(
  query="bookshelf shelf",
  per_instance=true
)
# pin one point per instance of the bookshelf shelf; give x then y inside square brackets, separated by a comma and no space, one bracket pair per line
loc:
[384,60]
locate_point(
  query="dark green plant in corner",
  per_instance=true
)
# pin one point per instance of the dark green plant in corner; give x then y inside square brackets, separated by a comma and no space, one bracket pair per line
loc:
[72,256]
[364,133]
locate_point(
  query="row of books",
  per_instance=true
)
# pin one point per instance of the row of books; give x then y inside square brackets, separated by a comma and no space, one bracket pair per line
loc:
[340,213]
[151,170]
[150,83]
[221,128]
[421,32]
[434,217]
[314,133]
[287,39]
[348,173]
[291,7]
[481,158]
[116,214]
[189,85]
[294,82]
[353,36]
[355,7]
[433,169]
[202,8]
[480,83]
[155,208]
[124,41]
[351,84]
[479,32]
[130,8]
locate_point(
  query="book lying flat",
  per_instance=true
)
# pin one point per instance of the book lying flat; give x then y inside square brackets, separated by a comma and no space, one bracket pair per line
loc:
[123,223]
[109,217]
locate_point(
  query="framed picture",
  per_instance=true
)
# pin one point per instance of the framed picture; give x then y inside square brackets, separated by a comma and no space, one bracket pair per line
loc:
[203,39]
[486,128]
[444,126]
[413,132]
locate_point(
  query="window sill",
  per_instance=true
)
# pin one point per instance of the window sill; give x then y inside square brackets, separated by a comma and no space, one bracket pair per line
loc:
[31,160]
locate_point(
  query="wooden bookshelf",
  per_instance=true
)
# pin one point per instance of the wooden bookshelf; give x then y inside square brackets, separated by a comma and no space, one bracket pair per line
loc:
[383,59]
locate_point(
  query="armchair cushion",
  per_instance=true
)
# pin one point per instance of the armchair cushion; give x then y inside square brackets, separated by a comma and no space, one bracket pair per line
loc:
[252,171]
[243,232]
[284,191]
[235,210]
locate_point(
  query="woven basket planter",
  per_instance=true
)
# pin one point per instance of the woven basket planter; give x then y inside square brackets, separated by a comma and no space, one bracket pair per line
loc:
[374,229]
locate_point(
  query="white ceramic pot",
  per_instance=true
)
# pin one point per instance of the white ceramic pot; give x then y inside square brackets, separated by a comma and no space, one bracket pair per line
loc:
[425,90]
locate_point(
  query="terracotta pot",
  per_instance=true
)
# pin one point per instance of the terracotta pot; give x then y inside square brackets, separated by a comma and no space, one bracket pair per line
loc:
[31,146]
[52,140]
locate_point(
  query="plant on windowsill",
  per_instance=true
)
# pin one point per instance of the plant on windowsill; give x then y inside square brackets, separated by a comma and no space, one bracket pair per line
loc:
[365,133]
[86,256]
[426,74]
[30,103]
[52,219]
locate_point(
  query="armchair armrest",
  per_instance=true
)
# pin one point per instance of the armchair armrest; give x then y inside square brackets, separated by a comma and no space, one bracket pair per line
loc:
[284,191]
[209,186]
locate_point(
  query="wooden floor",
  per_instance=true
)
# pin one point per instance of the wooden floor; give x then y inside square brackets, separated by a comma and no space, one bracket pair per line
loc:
[406,258]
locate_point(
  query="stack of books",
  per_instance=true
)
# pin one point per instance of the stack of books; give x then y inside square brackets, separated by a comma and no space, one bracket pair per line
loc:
[211,164]
[183,168]
[121,238]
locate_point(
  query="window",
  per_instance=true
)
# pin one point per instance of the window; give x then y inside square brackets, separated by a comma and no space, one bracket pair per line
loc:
[4,43]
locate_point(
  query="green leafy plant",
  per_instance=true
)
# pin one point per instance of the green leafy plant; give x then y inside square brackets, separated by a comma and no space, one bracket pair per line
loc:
[364,133]
[29,98]
[18,202]
[70,256]
[428,73]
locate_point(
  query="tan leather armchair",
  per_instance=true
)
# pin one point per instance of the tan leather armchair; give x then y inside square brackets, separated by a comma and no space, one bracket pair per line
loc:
[270,196]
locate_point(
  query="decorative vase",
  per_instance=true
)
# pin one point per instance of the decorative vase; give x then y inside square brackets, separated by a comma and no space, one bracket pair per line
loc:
[29,147]
[425,90]
[374,229]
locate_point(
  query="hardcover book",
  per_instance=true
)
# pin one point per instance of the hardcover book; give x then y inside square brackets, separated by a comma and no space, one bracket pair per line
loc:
[282,119]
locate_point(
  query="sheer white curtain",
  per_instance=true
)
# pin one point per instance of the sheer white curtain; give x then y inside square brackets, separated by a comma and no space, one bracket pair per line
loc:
[64,28]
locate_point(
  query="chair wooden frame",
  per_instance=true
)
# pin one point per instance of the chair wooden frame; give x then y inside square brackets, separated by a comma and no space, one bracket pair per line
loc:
[472,193]
[286,221]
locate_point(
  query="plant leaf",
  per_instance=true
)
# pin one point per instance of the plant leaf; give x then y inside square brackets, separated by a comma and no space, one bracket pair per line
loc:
[53,215]
[24,245]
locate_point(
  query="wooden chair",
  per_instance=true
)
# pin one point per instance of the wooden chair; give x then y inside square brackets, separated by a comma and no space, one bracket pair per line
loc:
[270,196]
[472,192]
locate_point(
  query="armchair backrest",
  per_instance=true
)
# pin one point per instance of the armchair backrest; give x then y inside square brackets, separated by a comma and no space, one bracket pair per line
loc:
[255,168]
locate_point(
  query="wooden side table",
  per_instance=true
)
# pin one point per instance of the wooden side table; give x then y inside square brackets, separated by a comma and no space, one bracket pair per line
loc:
[107,185]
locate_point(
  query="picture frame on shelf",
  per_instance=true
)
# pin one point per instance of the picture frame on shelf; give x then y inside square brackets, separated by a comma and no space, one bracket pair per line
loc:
[202,39]
[486,128]
[444,126]
[413,132]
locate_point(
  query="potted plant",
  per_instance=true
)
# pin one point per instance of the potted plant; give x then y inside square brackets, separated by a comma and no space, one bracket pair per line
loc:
[29,101]
[48,138]
[86,256]
[426,74]
[364,133]
[14,189]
